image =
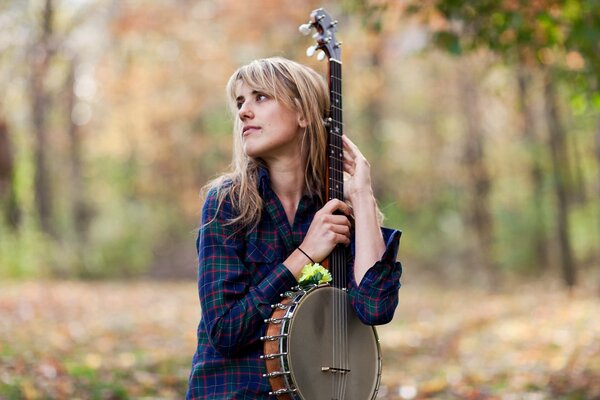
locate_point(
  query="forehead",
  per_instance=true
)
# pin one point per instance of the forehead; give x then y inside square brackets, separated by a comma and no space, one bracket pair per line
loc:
[257,80]
[241,89]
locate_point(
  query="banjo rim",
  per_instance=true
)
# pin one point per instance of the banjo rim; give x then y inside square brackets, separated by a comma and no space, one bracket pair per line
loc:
[279,356]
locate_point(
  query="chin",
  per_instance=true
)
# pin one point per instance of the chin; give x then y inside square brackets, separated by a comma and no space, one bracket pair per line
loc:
[256,149]
[252,152]
[247,149]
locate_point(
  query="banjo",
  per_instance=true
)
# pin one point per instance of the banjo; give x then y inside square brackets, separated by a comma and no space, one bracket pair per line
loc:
[315,347]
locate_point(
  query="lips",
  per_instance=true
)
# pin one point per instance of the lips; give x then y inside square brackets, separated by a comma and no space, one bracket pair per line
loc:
[248,129]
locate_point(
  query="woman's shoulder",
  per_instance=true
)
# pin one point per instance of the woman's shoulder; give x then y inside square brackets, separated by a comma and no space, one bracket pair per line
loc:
[216,188]
[217,200]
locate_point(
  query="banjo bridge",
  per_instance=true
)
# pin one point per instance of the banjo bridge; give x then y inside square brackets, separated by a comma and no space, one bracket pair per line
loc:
[335,370]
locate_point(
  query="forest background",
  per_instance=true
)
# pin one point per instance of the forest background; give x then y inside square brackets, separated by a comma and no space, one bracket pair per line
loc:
[482,124]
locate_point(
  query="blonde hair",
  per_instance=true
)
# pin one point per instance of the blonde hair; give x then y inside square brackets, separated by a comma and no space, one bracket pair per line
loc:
[301,89]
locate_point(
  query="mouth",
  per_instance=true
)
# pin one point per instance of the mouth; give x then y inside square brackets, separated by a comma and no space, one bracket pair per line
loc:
[249,129]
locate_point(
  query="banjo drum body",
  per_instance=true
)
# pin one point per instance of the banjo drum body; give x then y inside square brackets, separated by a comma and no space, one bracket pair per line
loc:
[300,351]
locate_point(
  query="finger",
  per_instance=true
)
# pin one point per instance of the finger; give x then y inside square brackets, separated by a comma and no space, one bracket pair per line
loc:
[335,222]
[342,239]
[346,147]
[349,168]
[349,163]
[349,144]
[353,154]
[337,238]
[353,151]
[349,155]
[334,205]
[339,220]
[341,229]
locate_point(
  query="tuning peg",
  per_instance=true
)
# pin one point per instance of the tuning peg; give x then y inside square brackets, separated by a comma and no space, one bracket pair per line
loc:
[305,28]
[321,56]
[311,51]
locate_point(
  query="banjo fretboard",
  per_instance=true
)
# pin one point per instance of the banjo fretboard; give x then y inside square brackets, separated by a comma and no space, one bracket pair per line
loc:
[335,168]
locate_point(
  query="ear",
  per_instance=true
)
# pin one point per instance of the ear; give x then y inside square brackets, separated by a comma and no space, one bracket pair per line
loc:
[302,122]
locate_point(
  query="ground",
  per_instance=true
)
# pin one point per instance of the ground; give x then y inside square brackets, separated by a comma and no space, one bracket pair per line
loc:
[69,340]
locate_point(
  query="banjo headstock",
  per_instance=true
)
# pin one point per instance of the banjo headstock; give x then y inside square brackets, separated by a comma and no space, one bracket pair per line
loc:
[325,26]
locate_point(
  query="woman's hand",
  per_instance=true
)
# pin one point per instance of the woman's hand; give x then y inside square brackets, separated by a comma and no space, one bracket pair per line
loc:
[359,171]
[326,230]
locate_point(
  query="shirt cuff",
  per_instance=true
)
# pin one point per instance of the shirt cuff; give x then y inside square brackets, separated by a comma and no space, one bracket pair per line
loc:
[386,268]
[270,288]
[391,238]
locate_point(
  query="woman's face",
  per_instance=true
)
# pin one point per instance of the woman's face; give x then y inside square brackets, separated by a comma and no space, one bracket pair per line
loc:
[269,129]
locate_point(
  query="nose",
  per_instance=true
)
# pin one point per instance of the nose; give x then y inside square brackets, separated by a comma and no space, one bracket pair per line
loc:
[245,111]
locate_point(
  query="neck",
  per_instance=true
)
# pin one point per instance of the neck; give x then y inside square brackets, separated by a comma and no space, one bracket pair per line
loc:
[287,180]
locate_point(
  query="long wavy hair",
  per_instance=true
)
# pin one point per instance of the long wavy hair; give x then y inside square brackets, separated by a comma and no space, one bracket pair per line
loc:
[297,87]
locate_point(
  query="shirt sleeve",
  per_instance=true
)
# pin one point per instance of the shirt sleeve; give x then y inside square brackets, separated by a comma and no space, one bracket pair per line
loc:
[233,308]
[376,298]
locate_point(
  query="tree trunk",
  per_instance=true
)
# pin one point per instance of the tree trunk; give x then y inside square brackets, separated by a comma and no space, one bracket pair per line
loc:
[598,162]
[80,208]
[42,54]
[577,190]
[560,170]
[8,200]
[479,179]
[539,235]
[6,161]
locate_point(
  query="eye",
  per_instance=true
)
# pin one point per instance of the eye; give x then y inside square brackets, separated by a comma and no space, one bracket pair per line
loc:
[239,103]
[261,97]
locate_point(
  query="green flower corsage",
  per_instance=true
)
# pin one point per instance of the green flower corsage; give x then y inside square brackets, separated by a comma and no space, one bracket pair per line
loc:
[314,274]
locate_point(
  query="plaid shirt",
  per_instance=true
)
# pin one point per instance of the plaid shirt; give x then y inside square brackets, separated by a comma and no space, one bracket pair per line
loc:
[241,273]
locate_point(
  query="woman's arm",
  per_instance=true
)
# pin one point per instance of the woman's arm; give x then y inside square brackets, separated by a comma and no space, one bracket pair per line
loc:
[233,308]
[368,238]
[374,289]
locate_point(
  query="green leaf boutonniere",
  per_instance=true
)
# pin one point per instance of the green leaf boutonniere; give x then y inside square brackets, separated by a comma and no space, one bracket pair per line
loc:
[314,274]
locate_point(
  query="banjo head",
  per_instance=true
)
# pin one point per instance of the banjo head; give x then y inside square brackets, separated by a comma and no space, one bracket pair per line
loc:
[311,350]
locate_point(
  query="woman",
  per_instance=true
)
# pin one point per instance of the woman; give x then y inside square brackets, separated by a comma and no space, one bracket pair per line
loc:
[267,219]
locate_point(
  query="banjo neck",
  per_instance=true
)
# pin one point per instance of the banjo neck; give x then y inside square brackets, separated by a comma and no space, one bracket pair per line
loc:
[335,170]
[334,174]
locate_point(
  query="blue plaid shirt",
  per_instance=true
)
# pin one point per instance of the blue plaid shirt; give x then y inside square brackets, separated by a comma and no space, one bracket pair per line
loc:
[241,273]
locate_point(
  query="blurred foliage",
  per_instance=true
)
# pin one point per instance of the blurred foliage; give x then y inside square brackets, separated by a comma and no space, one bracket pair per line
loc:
[136,122]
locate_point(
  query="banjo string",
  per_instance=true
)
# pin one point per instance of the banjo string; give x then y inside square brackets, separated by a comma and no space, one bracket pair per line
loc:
[339,265]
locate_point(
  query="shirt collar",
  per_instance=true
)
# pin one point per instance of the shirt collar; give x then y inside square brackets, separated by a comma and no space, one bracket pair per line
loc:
[264,181]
